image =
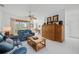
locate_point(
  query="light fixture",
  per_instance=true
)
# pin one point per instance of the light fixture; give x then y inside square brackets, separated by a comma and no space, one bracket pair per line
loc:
[31,16]
[7,29]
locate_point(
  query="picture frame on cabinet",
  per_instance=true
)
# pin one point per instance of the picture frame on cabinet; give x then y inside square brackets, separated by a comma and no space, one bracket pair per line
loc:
[48,20]
[55,18]
[52,19]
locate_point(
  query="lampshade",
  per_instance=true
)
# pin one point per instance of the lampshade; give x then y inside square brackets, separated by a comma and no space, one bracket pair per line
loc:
[6,29]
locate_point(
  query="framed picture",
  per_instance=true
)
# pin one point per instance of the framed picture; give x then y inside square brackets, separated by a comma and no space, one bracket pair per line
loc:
[52,18]
[48,19]
[55,18]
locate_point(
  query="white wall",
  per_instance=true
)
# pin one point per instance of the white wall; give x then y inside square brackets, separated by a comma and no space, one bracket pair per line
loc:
[4,18]
[0,18]
[38,22]
[72,20]
[1,15]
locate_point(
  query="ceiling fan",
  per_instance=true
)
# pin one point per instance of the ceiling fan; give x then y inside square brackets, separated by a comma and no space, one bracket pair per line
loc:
[32,17]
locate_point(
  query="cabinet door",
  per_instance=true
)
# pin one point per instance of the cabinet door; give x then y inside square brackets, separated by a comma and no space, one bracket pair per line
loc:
[49,31]
[52,32]
[43,31]
[59,33]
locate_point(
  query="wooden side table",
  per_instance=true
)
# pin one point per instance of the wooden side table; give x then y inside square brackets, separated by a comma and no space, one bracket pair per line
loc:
[36,44]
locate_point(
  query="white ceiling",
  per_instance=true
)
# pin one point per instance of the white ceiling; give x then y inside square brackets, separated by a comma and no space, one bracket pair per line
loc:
[37,9]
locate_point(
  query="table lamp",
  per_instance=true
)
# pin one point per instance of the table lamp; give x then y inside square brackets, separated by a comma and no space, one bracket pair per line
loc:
[7,29]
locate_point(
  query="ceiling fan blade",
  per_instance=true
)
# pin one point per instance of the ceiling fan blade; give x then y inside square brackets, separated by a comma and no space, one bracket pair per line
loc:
[34,17]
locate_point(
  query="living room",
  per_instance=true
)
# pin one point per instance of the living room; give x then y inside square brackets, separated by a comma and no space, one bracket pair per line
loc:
[39,29]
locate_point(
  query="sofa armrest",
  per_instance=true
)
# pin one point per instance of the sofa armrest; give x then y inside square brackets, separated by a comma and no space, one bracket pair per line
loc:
[5,47]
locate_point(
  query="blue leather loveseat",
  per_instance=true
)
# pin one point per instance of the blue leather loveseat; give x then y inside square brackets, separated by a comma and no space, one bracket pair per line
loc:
[23,34]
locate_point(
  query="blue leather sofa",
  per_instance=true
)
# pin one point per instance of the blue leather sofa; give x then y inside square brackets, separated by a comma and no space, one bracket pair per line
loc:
[21,50]
[6,47]
[23,34]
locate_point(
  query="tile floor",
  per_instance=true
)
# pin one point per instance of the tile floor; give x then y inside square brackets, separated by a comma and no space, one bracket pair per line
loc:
[69,46]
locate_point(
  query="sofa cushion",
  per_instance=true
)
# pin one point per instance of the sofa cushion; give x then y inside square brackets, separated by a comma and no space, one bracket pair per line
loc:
[5,47]
[8,40]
